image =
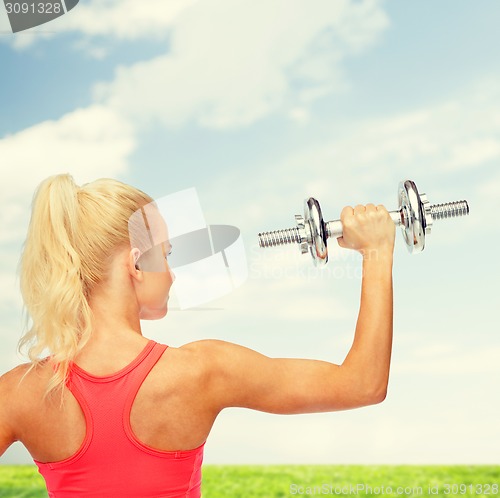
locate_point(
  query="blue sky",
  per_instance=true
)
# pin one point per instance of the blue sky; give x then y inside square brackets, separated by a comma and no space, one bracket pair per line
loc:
[259,105]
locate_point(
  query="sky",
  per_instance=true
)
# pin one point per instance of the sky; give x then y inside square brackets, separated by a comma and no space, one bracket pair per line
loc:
[259,105]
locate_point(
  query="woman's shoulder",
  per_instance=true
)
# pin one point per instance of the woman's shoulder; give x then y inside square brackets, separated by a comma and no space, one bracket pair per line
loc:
[191,361]
[207,356]
[205,346]
[9,388]
[22,377]
[213,350]
[14,376]
[202,352]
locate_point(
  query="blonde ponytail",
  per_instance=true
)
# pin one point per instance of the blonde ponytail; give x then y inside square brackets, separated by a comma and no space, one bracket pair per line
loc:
[72,233]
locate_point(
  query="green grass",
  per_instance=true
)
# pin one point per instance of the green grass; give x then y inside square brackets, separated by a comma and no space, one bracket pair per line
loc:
[279,481]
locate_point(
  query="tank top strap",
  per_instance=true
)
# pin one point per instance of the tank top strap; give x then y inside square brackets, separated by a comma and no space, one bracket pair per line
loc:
[136,377]
[143,363]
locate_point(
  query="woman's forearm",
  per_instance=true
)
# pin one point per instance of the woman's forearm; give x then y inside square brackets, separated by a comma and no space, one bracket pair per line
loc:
[369,357]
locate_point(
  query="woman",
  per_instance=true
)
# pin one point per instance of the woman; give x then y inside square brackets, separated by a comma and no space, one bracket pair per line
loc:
[111,413]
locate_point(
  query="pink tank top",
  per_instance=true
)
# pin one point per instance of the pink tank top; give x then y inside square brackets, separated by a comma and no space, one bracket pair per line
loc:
[112,462]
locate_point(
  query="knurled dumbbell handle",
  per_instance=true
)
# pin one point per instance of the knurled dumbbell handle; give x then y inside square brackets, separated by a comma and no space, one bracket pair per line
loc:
[334,229]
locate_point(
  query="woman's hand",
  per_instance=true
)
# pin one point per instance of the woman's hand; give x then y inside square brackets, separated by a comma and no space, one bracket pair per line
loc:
[367,229]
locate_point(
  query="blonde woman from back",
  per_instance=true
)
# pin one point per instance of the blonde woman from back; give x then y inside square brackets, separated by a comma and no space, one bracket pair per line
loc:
[110,413]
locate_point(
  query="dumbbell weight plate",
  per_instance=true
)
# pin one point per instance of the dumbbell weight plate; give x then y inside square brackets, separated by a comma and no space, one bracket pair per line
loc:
[315,231]
[413,220]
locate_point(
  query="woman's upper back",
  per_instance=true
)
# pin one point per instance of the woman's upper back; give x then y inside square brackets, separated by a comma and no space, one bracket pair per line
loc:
[167,413]
[165,418]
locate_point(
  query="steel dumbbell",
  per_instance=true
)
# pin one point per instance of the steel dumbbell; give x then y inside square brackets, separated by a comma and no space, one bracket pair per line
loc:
[415,216]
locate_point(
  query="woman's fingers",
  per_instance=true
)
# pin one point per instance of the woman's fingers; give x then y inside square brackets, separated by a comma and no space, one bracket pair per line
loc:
[366,227]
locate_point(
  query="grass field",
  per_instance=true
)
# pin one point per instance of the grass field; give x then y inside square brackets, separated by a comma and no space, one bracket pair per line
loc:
[276,481]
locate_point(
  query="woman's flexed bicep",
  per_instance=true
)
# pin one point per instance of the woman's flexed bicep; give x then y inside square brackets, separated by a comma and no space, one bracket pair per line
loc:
[240,377]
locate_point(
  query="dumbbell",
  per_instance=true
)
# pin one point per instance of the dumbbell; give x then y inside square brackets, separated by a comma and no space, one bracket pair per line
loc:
[415,216]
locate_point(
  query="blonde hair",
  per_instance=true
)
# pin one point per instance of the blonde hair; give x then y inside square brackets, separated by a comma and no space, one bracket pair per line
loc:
[72,233]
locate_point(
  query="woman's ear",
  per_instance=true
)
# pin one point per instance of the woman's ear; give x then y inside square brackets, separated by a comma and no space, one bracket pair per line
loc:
[134,256]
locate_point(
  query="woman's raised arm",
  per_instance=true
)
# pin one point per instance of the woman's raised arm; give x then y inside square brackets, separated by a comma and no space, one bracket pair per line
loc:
[238,376]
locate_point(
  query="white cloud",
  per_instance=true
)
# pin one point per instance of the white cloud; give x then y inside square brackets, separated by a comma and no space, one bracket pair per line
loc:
[125,19]
[234,62]
[340,27]
[229,63]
